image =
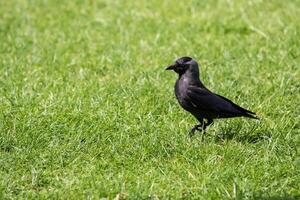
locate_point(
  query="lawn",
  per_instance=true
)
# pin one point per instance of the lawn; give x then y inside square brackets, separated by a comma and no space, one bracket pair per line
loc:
[87,110]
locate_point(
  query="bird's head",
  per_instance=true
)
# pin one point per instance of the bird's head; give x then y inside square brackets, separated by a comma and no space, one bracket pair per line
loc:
[183,65]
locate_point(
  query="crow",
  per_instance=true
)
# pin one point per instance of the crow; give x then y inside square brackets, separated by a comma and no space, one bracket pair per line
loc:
[195,98]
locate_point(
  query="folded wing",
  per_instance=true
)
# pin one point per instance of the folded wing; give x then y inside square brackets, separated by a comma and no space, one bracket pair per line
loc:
[208,102]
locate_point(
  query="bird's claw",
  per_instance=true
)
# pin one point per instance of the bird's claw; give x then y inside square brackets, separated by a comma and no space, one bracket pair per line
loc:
[194,129]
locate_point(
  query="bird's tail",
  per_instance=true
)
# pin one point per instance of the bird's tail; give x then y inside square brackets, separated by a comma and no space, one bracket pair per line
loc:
[251,115]
[242,111]
[247,113]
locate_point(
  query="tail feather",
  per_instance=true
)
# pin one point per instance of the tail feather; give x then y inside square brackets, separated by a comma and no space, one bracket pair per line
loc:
[251,115]
[245,112]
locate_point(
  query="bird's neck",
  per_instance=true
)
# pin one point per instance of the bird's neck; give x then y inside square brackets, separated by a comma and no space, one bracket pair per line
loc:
[193,78]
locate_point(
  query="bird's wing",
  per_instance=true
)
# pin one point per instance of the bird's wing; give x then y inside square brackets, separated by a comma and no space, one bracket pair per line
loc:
[237,106]
[207,101]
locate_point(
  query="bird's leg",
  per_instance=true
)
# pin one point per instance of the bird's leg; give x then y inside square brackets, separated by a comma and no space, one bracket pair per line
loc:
[196,128]
[204,126]
[209,122]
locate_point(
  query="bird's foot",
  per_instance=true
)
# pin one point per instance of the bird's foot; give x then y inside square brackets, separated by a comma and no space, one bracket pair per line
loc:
[194,129]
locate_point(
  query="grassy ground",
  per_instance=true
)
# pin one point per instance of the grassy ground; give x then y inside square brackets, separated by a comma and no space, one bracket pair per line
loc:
[87,110]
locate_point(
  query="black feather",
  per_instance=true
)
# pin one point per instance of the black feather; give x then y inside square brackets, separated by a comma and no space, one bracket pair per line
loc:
[194,97]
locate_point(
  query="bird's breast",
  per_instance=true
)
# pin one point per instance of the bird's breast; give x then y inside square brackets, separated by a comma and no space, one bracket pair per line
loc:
[181,88]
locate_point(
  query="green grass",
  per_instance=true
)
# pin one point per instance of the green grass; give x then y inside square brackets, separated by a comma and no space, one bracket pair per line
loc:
[87,110]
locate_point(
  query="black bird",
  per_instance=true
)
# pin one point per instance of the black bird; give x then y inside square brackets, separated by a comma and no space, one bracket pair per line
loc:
[195,98]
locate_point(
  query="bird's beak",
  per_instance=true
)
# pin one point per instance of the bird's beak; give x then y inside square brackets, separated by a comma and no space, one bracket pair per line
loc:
[171,67]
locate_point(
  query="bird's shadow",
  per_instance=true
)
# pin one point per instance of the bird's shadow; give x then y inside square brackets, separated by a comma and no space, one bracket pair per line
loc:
[235,134]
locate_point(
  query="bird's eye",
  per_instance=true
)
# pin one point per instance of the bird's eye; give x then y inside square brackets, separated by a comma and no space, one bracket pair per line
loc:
[185,66]
[182,67]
